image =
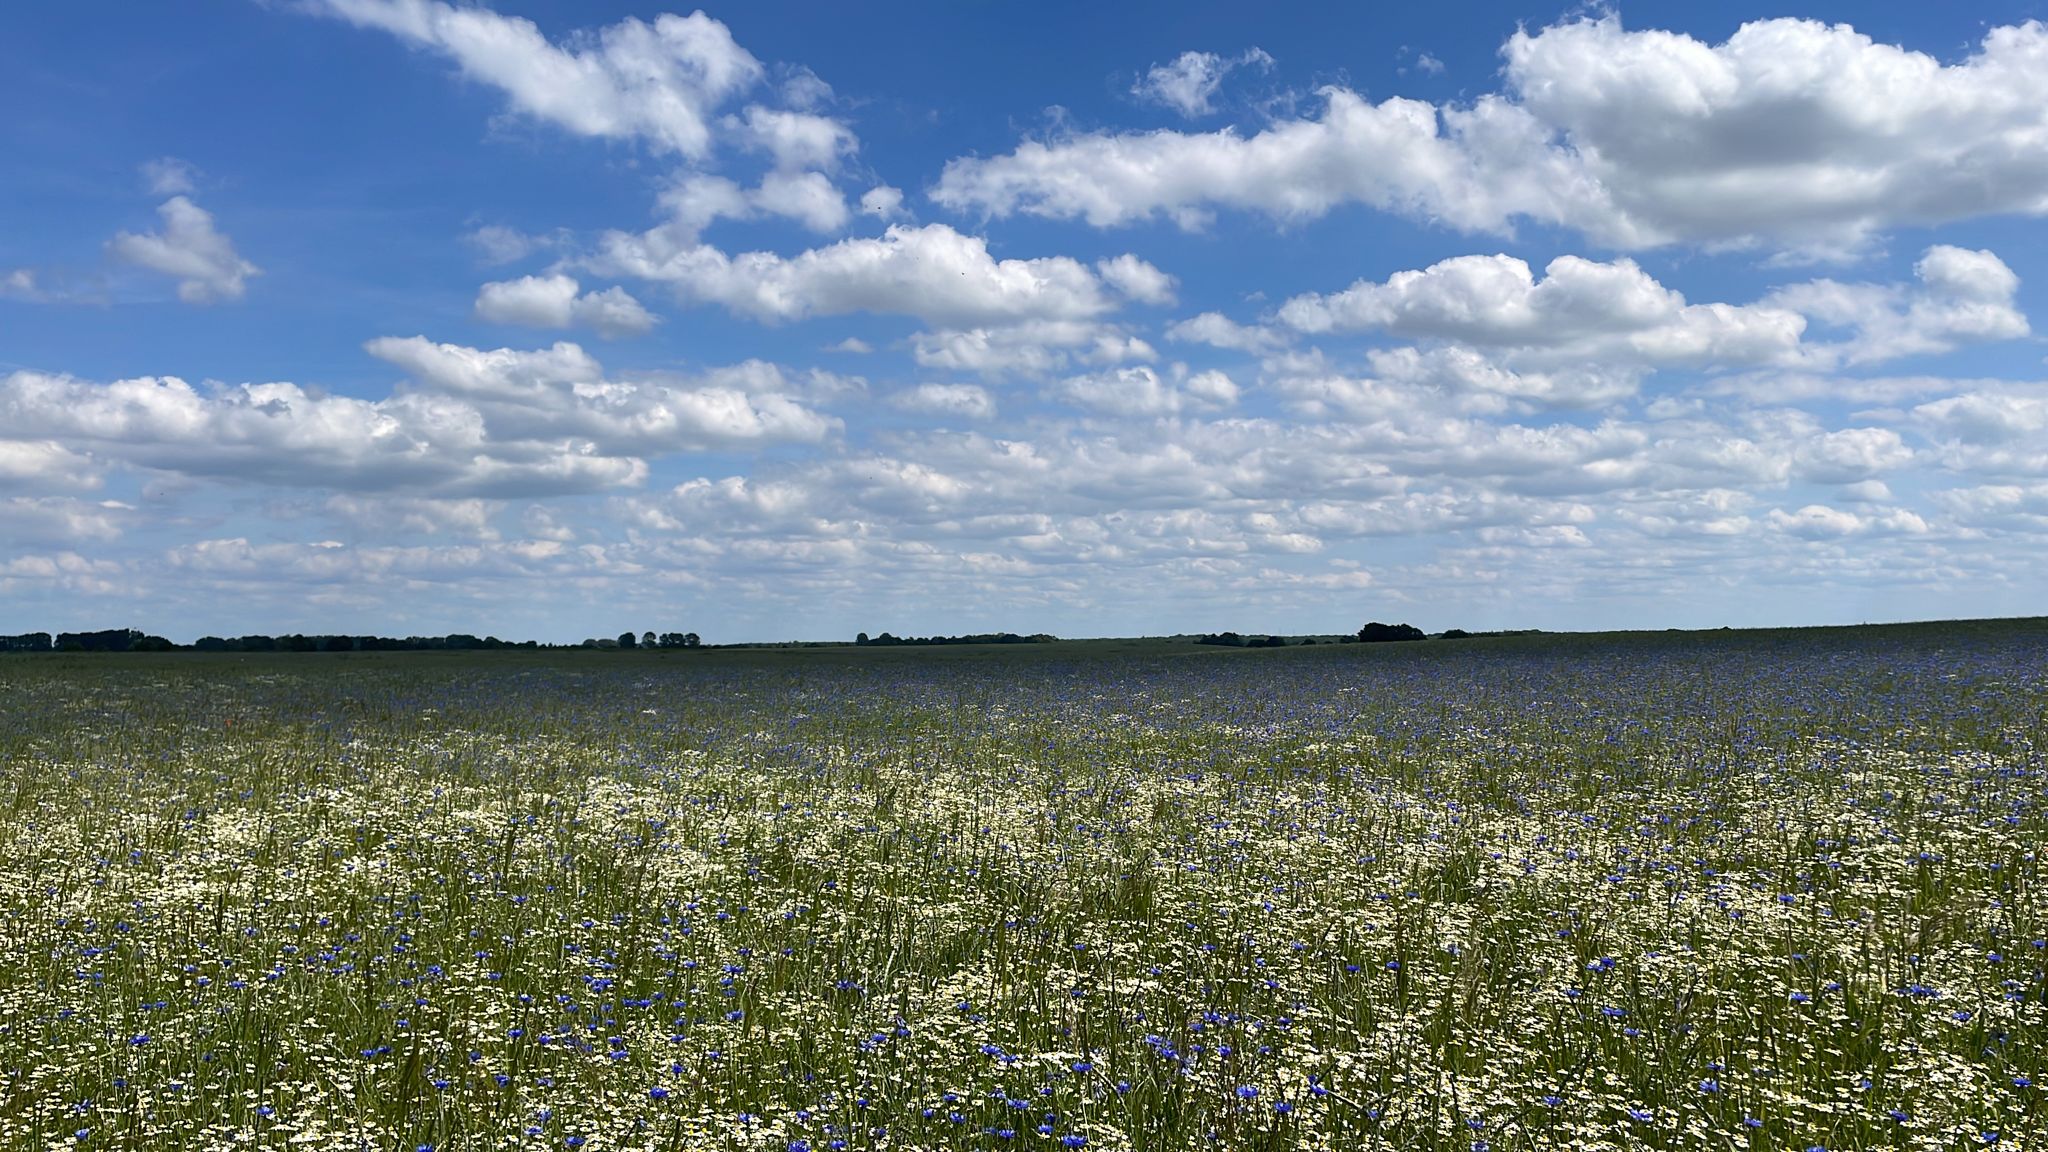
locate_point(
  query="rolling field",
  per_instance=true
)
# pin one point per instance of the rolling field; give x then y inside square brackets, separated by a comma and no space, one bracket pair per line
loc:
[1721,891]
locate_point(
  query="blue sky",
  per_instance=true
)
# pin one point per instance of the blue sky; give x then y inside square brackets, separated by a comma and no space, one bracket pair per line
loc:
[792,321]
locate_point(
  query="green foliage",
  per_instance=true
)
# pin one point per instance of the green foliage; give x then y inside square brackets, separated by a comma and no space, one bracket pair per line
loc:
[1608,894]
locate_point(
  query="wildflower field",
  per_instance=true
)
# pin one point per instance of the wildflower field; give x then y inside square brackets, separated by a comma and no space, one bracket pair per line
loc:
[1705,891]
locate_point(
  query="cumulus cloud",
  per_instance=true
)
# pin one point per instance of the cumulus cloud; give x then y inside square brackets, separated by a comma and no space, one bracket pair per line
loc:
[932,272]
[556,302]
[882,202]
[380,515]
[283,434]
[170,176]
[1140,391]
[1580,307]
[2000,430]
[562,392]
[1470,168]
[661,82]
[966,401]
[1587,331]
[1220,331]
[189,248]
[1851,456]
[1821,522]
[44,465]
[499,244]
[62,519]
[1792,132]
[1791,128]
[474,423]
[1028,347]
[794,140]
[1963,297]
[1136,279]
[1190,81]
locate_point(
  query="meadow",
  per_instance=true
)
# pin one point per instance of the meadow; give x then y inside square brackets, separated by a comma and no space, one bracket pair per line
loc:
[1772,890]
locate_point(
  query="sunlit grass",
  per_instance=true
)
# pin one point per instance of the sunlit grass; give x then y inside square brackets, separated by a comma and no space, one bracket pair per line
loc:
[1757,892]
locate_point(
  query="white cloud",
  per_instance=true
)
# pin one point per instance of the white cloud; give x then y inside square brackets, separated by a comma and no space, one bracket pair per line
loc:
[282,434]
[1998,431]
[1220,331]
[795,140]
[1470,168]
[1795,133]
[1821,522]
[2015,508]
[658,82]
[805,197]
[1581,307]
[1489,386]
[1136,279]
[1027,347]
[380,515]
[1850,456]
[66,570]
[43,464]
[967,401]
[932,272]
[1211,388]
[1791,129]
[562,392]
[1139,391]
[1963,297]
[202,259]
[170,176]
[1187,84]
[474,423]
[1986,417]
[882,202]
[61,519]
[554,302]
[499,244]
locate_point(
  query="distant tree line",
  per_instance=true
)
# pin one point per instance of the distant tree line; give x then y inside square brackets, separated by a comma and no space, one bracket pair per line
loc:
[1373,633]
[649,640]
[131,640]
[110,640]
[885,640]
[1233,640]
[453,642]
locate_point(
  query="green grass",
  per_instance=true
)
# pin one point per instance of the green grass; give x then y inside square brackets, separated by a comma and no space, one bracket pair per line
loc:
[1704,892]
